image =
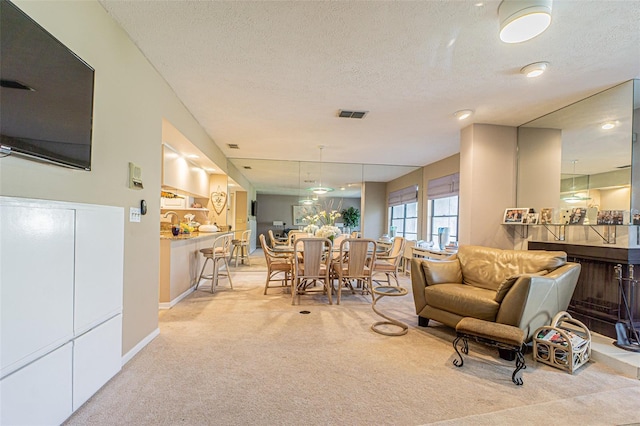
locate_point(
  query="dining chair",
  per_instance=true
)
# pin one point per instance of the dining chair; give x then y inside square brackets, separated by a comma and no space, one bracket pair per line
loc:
[316,253]
[217,253]
[407,255]
[293,234]
[274,241]
[389,264]
[240,248]
[352,265]
[279,266]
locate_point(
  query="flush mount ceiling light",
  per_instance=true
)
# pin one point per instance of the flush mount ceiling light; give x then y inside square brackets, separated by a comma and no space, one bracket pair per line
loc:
[608,125]
[534,70]
[463,114]
[522,20]
[320,190]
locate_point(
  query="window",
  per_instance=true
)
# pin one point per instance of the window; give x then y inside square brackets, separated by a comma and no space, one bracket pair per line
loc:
[405,219]
[403,212]
[443,213]
[442,194]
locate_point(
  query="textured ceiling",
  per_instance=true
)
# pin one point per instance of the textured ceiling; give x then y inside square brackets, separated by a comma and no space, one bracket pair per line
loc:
[271,76]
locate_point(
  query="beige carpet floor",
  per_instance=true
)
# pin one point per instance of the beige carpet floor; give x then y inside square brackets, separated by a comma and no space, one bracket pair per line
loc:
[238,357]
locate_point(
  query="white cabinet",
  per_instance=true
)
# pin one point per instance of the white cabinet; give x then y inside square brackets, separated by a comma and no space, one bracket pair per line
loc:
[96,359]
[61,275]
[173,203]
[40,393]
[99,264]
[36,282]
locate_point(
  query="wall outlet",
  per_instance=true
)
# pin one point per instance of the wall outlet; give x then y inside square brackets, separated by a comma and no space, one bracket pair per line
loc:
[134,214]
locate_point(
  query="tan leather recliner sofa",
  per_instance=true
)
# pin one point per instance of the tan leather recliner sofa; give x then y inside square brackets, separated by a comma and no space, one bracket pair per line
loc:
[522,288]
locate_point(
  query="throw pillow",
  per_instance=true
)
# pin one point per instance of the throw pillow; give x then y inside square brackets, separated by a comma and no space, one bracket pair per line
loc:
[442,271]
[506,285]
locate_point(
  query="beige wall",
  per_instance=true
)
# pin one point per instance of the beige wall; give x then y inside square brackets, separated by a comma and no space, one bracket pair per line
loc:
[487,184]
[539,162]
[130,103]
[374,210]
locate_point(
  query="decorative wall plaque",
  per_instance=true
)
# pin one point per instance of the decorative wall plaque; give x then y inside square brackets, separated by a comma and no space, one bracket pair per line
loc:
[219,200]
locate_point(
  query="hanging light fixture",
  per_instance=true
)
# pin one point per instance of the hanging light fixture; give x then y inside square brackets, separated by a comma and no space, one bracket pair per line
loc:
[304,201]
[522,20]
[320,190]
[575,197]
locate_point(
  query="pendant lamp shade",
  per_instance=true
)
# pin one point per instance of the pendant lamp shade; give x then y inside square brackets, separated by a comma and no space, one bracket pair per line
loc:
[522,20]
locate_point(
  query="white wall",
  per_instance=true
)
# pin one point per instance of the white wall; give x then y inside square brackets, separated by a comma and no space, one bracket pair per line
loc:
[487,184]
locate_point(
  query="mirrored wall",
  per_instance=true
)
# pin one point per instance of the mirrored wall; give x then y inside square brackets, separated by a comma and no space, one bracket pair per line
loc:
[297,178]
[581,155]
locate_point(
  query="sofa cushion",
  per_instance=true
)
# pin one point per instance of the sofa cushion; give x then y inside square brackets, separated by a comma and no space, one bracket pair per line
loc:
[442,271]
[463,300]
[487,267]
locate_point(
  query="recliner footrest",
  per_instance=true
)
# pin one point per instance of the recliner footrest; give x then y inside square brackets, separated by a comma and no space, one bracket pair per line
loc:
[502,336]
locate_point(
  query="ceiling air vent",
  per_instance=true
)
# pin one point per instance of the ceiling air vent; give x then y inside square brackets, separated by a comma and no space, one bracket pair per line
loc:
[247,167]
[233,146]
[351,114]
[626,166]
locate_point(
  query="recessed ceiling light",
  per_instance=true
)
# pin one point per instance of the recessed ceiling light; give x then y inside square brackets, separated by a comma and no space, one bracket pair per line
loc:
[608,125]
[522,20]
[534,70]
[192,156]
[463,114]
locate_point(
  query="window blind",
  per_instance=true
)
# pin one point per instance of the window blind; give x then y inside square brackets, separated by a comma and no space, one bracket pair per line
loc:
[403,196]
[445,186]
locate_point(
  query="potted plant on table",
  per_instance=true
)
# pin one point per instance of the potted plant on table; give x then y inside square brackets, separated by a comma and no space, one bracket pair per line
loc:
[351,217]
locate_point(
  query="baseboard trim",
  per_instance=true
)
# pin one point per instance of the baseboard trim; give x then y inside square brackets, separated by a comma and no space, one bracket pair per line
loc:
[169,305]
[137,348]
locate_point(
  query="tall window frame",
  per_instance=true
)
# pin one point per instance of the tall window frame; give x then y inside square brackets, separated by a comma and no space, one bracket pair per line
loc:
[403,212]
[443,206]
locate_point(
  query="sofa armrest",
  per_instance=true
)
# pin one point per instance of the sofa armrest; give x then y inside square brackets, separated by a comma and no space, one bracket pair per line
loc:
[533,301]
[418,284]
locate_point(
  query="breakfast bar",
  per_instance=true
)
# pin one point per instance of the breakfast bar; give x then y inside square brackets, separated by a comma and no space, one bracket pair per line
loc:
[180,263]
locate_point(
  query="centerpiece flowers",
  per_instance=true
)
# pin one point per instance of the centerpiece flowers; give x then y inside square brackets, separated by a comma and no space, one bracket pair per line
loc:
[328,220]
[323,224]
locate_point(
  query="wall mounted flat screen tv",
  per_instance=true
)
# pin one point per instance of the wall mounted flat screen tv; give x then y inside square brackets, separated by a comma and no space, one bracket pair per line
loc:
[46,94]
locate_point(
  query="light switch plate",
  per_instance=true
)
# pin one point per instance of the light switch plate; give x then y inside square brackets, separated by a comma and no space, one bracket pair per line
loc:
[134,214]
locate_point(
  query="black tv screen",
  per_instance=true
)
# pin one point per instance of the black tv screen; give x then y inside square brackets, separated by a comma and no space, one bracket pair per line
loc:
[46,94]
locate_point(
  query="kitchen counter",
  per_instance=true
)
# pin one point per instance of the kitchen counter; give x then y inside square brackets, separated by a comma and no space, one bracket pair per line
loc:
[180,263]
[193,235]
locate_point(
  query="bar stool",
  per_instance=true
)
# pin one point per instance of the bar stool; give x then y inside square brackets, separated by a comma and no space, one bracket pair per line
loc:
[241,248]
[218,254]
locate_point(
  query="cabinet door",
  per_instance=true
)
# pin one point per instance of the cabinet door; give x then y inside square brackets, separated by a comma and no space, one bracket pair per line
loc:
[99,265]
[36,281]
[97,357]
[40,393]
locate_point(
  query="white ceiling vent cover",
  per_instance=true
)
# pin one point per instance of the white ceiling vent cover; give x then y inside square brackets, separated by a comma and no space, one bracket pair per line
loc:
[343,113]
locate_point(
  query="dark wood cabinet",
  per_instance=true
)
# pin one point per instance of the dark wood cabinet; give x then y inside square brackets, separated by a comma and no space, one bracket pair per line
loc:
[597,299]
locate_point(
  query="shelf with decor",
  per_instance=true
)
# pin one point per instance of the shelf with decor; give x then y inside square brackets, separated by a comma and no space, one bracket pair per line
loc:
[558,231]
